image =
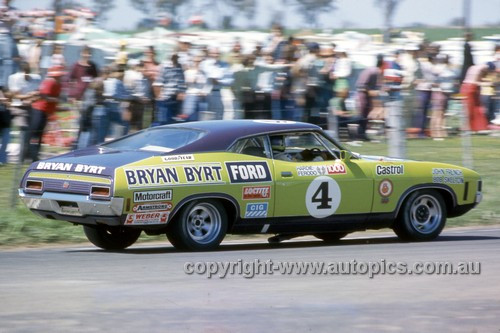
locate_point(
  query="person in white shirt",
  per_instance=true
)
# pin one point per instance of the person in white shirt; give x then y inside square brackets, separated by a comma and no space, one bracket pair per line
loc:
[22,91]
[219,76]
[196,84]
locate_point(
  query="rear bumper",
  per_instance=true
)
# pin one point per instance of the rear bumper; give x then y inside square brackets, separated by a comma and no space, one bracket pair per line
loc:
[74,208]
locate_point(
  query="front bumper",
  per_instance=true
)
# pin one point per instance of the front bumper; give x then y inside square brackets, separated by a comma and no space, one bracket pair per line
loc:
[75,208]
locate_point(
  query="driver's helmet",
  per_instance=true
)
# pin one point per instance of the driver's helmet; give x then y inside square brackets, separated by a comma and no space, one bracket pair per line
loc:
[277,142]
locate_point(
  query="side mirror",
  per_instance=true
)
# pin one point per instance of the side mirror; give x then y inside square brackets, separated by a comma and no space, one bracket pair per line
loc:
[345,155]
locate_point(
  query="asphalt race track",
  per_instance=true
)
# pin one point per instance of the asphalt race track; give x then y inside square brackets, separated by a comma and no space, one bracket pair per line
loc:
[145,289]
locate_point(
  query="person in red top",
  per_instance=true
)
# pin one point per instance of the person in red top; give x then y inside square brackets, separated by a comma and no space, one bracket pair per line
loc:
[50,89]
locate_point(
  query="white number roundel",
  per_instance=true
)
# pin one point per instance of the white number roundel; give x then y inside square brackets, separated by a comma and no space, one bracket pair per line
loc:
[323,197]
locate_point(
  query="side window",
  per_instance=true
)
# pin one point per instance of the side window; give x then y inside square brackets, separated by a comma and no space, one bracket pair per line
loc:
[255,146]
[299,147]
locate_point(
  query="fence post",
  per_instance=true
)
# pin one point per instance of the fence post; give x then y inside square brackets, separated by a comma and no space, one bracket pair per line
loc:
[396,133]
[333,126]
[18,169]
[467,158]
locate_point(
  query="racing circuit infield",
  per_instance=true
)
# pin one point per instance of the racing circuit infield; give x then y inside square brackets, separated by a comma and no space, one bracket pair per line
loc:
[145,288]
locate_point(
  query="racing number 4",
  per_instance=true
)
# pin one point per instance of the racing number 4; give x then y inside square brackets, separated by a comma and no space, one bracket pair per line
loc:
[323,197]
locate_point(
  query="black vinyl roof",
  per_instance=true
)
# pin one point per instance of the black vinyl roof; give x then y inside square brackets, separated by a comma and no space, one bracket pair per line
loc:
[220,134]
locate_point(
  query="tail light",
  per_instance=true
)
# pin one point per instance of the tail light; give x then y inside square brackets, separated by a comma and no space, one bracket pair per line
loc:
[100,192]
[34,185]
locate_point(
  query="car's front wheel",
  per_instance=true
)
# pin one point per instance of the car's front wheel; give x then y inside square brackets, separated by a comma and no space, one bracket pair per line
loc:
[111,238]
[423,216]
[201,226]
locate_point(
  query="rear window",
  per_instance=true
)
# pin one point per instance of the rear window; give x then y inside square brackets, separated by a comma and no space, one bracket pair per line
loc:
[157,139]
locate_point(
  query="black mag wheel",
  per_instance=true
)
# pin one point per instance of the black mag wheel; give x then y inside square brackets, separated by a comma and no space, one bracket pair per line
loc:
[201,226]
[422,217]
[111,238]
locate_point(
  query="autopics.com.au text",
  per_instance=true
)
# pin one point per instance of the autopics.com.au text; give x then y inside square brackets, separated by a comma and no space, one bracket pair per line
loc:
[250,269]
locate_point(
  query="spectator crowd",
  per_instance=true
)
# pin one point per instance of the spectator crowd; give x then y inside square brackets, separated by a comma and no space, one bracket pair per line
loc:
[287,78]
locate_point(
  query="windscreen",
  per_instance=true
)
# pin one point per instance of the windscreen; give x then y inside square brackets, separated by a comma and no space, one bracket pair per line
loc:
[157,139]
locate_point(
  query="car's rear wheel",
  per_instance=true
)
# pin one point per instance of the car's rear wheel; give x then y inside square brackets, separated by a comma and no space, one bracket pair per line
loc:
[201,226]
[331,237]
[423,216]
[111,238]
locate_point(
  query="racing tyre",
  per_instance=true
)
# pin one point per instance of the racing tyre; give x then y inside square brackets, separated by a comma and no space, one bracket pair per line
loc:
[111,238]
[422,218]
[201,226]
[331,237]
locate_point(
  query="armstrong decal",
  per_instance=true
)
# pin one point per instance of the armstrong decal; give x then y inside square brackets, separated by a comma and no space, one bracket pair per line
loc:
[177,158]
[388,170]
[248,172]
[147,218]
[84,168]
[256,210]
[447,176]
[152,196]
[203,173]
[152,207]
[256,192]
[151,176]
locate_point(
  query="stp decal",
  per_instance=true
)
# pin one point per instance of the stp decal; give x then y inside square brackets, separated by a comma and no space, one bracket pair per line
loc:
[147,218]
[256,192]
[248,172]
[256,210]
[323,197]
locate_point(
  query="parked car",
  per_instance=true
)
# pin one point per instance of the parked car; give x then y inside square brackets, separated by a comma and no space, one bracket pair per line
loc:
[197,182]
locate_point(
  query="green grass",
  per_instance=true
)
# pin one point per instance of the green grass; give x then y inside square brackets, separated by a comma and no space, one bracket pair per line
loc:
[433,33]
[21,227]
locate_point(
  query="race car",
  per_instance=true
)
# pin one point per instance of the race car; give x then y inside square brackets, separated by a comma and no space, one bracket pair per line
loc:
[198,181]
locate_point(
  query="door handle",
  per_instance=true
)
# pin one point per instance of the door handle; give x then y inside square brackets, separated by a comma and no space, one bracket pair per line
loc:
[286,174]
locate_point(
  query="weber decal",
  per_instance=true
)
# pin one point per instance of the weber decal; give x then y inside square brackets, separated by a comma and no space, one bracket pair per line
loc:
[248,172]
[388,170]
[153,196]
[177,158]
[151,176]
[447,176]
[256,192]
[152,207]
[82,168]
[147,218]
[209,173]
[256,210]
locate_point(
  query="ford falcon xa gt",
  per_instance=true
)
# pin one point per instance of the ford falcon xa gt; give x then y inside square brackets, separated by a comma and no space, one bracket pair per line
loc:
[197,182]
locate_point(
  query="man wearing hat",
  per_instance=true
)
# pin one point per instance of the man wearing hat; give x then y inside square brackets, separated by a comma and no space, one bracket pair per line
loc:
[42,108]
